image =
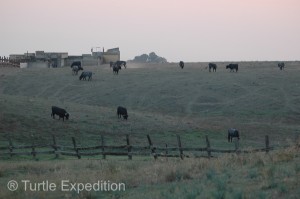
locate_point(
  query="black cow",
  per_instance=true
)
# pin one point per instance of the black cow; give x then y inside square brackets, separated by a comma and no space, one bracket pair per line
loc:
[212,66]
[281,65]
[78,64]
[75,69]
[181,64]
[116,69]
[233,133]
[120,63]
[62,113]
[121,111]
[233,67]
[86,74]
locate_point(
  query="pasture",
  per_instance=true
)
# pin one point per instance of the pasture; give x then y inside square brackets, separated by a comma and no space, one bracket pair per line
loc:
[162,100]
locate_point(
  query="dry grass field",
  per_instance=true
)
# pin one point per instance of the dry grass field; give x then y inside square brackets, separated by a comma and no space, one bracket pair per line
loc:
[163,101]
[257,175]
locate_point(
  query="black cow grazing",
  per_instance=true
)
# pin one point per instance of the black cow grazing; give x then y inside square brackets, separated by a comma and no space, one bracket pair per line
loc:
[212,66]
[233,133]
[75,69]
[233,67]
[116,69]
[281,65]
[181,64]
[120,63]
[121,111]
[76,63]
[86,74]
[62,113]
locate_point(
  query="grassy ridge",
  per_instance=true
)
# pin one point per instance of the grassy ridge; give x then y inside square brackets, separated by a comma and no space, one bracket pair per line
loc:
[162,100]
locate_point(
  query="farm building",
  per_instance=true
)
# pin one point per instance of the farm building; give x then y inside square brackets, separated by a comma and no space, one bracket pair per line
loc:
[43,59]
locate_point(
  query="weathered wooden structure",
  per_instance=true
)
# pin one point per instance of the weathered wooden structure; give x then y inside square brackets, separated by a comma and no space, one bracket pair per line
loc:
[41,59]
[102,150]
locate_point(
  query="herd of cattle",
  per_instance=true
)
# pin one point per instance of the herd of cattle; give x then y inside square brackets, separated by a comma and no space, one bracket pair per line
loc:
[122,111]
[116,66]
[87,75]
[232,67]
[76,66]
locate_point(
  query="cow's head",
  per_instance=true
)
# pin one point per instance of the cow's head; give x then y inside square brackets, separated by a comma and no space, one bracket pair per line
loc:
[67,115]
[125,117]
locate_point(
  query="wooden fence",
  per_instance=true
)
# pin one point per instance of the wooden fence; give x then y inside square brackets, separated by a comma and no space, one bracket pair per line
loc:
[127,149]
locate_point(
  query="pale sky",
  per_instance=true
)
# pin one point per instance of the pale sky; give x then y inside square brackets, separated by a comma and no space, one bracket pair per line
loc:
[188,30]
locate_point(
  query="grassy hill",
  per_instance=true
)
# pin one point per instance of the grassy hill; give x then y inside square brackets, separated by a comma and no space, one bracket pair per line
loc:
[162,101]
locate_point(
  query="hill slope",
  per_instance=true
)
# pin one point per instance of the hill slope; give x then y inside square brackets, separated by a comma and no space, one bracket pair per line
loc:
[162,100]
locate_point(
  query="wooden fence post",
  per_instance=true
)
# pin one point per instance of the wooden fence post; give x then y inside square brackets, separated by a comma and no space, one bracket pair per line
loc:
[267,143]
[75,148]
[102,144]
[55,147]
[33,152]
[179,147]
[10,147]
[166,152]
[236,145]
[151,147]
[208,146]
[128,147]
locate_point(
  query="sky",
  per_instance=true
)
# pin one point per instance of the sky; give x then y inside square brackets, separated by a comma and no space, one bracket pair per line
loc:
[188,30]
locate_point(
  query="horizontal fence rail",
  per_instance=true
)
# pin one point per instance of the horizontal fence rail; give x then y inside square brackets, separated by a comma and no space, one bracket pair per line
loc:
[123,150]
